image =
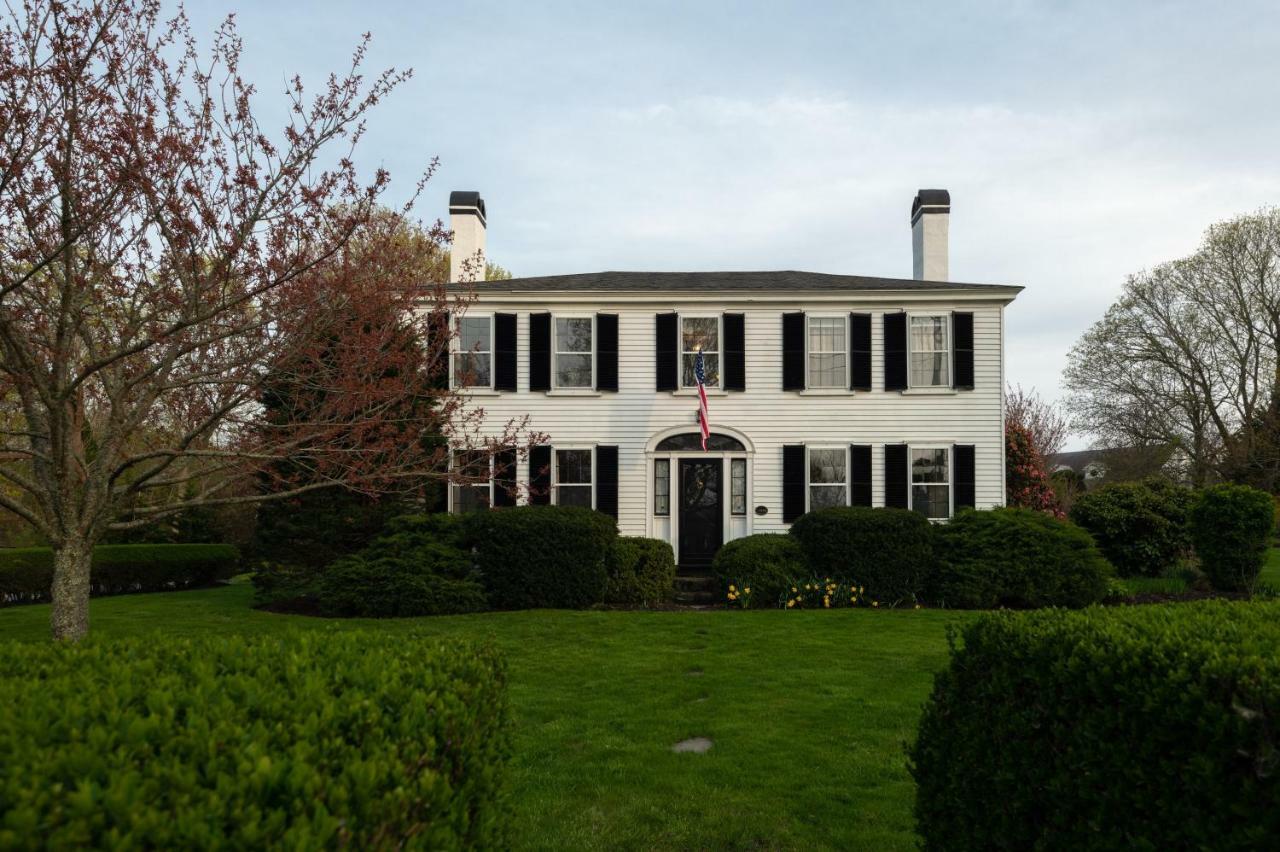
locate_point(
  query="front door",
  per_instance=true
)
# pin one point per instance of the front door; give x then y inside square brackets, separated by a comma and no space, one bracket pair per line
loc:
[701,515]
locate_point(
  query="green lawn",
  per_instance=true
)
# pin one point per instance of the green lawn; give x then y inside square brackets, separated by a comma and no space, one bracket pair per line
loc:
[809,712]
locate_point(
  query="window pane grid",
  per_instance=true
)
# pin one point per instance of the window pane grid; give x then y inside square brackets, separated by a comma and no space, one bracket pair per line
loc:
[827,355]
[474,360]
[738,486]
[827,482]
[930,352]
[931,482]
[700,333]
[662,487]
[573,478]
[573,352]
[471,495]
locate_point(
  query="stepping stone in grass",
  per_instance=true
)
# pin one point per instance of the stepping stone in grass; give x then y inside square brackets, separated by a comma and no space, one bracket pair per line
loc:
[697,745]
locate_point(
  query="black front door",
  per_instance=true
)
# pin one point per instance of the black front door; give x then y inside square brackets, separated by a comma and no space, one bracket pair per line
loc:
[701,515]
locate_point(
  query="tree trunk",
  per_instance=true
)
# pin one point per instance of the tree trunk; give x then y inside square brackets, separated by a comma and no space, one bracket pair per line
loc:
[70,593]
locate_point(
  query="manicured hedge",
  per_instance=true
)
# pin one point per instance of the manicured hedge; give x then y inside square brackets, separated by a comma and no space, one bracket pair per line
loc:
[766,563]
[641,571]
[26,574]
[1108,728]
[310,740]
[1140,527]
[1015,558]
[1231,527]
[542,556]
[887,551]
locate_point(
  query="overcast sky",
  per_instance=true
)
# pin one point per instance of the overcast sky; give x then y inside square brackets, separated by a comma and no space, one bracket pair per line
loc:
[1080,141]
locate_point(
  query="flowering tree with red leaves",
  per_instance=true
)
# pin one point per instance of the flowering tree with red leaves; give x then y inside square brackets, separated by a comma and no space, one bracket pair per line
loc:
[161,256]
[1026,481]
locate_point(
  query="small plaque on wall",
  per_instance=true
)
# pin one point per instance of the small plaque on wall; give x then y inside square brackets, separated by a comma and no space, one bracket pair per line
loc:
[762,510]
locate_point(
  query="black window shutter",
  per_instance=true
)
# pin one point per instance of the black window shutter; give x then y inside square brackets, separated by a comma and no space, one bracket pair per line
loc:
[895,352]
[667,343]
[735,352]
[860,352]
[606,352]
[962,350]
[504,478]
[793,352]
[860,475]
[963,458]
[539,352]
[793,482]
[896,492]
[540,475]
[607,480]
[504,352]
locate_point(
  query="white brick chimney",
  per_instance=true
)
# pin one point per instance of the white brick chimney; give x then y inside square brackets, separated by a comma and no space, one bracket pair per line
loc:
[930,215]
[466,220]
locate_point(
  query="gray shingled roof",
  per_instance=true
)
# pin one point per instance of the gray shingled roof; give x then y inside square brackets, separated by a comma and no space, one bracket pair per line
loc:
[658,282]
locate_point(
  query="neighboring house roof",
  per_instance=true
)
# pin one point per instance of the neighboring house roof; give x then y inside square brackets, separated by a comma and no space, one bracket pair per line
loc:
[1078,460]
[1118,462]
[659,282]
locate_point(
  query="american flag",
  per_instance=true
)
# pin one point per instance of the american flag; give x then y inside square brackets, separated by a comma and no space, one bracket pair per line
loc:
[700,373]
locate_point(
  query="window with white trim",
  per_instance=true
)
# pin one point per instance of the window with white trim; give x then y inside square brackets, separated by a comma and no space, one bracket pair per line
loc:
[473,360]
[662,487]
[700,334]
[828,477]
[473,488]
[931,481]
[929,346]
[828,352]
[573,479]
[574,365]
[737,486]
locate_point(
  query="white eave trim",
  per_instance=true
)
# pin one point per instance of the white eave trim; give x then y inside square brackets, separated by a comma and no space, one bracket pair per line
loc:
[854,298]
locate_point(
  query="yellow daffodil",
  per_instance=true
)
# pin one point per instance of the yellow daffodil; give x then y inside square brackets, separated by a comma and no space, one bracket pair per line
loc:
[793,589]
[917,606]
[747,590]
[790,604]
[875,603]
[733,588]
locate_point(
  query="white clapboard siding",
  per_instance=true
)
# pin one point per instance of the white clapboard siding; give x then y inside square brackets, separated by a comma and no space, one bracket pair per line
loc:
[767,415]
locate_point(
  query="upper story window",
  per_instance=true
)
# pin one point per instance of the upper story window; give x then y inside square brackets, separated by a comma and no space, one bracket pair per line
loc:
[473,362]
[827,478]
[573,349]
[828,357]
[573,478]
[700,334]
[931,481]
[930,351]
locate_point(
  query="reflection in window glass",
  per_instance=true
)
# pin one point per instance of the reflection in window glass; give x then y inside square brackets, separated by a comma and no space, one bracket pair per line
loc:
[826,478]
[931,483]
[738,486]
[573,478]
[473,363]
[826,352]
[930,352]
[662,487]
[700,333]
[573,352]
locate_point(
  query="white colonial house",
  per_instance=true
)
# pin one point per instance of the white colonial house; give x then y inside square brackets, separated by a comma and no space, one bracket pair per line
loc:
[824,390]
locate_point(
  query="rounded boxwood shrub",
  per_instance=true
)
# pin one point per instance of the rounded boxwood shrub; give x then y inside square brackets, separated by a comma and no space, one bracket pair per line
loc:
[1231,529]
[1140,527]
[1147,727]
[542,556]
[887,551]
[768,563]
[309,740]
[1017,558]
[641,571]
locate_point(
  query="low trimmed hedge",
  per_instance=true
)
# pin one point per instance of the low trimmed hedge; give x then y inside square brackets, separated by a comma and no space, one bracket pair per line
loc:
[1140,527]
[26,573]
[1231,527]
[766,563]
[889,552]
[641,571]
[309,740]
[532,557]
[1108,728]
[1016,558]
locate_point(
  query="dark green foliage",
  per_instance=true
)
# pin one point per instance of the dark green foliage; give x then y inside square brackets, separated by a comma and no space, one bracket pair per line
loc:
[1016,558]
[1231,526]
[641,571]
[26,574]
[531,557]
[420,567]
[317,527]
[887,551]
[305,741]
[769,564]
[1109,728]
[1141,527]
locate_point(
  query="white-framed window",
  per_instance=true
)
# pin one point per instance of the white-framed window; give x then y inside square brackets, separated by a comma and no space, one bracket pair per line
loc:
[828,352]
[700,334]
[573,339]
[573,477]
[473,357]
[737,486]
[474,490]
[931,481]
[662,487]
[828,477]
[929,350]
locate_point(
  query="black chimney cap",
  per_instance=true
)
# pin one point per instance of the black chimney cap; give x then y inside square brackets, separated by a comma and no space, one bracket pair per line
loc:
[466,201]
[937,200]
